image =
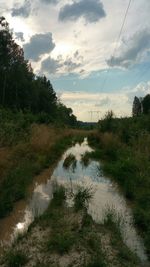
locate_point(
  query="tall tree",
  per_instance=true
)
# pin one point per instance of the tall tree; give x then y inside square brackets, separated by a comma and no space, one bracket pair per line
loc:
[146,104]
[137,107]
[16,73]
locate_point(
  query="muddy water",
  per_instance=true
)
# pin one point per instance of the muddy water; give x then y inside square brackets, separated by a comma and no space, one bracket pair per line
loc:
[106,196]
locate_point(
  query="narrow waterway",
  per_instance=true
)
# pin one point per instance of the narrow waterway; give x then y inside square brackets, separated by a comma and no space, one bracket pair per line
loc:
[106,196]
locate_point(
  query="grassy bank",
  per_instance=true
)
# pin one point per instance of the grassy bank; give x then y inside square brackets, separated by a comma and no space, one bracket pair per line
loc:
[26,149]
[125,152]
[66,237]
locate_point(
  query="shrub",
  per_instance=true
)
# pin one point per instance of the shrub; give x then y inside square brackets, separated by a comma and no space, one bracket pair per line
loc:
[16,258]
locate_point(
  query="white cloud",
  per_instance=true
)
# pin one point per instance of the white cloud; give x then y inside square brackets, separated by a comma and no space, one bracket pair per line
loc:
[90,10]
[120,102]
[132,50]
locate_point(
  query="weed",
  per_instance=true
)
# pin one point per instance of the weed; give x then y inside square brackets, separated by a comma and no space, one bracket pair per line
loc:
[85,159]
[98,261]
[125,153]
[16,258]
[61,242]
[82,198]
[70,161]
[59,196]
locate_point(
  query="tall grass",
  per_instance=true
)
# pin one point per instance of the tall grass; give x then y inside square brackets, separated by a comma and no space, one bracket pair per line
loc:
[125,151]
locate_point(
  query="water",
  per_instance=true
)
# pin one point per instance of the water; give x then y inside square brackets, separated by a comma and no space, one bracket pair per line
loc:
[106,196]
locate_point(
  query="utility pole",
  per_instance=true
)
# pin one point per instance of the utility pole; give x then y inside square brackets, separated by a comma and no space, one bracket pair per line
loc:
[91,112]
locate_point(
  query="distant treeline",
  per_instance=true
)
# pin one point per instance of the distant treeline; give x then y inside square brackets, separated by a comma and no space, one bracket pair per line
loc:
[141,105]
[21,89]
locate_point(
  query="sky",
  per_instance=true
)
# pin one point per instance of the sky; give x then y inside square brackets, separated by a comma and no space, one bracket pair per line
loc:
[93,63]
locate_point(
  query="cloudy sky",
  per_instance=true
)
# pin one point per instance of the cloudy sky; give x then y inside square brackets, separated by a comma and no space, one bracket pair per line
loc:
[77,45]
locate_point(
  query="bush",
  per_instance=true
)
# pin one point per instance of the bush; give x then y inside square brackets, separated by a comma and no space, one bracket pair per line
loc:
[16,259]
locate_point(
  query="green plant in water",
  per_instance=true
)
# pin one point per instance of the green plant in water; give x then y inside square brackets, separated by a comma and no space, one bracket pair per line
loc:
[82,198]
[70,161]
[85,159]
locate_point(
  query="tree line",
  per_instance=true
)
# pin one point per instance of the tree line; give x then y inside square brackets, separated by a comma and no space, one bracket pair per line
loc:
[21,89]
[141,105]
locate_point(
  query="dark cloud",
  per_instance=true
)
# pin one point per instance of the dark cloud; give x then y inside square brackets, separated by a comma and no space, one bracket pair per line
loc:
[90,10]
[19,36]
[50,1]
[39,44]
[71,65]
[136,47]
[23,10]
[50,65]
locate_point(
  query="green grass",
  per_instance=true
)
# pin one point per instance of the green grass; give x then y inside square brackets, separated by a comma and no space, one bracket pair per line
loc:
[113,223]
[69,232]
[85,159]
[61,242]
[127,161]
[70,161]
[16,258]
[98,261]
[82,198]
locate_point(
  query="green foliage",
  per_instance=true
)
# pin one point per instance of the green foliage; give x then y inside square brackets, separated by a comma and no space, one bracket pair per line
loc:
[20,89]
[146,104]
[61,242]
[106,124]
[16,258]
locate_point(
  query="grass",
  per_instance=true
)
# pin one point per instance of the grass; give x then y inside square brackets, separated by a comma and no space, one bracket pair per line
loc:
[125,153]
[27,161]
[82,198]
[85,159]
[59,196]
[70,161]
[113,223]
[70,235]
[61,242]
[97,262]
[16,258]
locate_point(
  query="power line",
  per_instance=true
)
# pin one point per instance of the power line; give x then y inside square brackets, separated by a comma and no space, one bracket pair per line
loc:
[94,111]
[117,41]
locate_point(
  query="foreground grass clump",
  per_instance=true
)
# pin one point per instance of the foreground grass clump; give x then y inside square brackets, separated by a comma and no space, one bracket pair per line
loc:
[125,151]
[82,198]
[16,258]
[61,242]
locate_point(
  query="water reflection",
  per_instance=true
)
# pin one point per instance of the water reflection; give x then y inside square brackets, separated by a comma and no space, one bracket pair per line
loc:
[106,195]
